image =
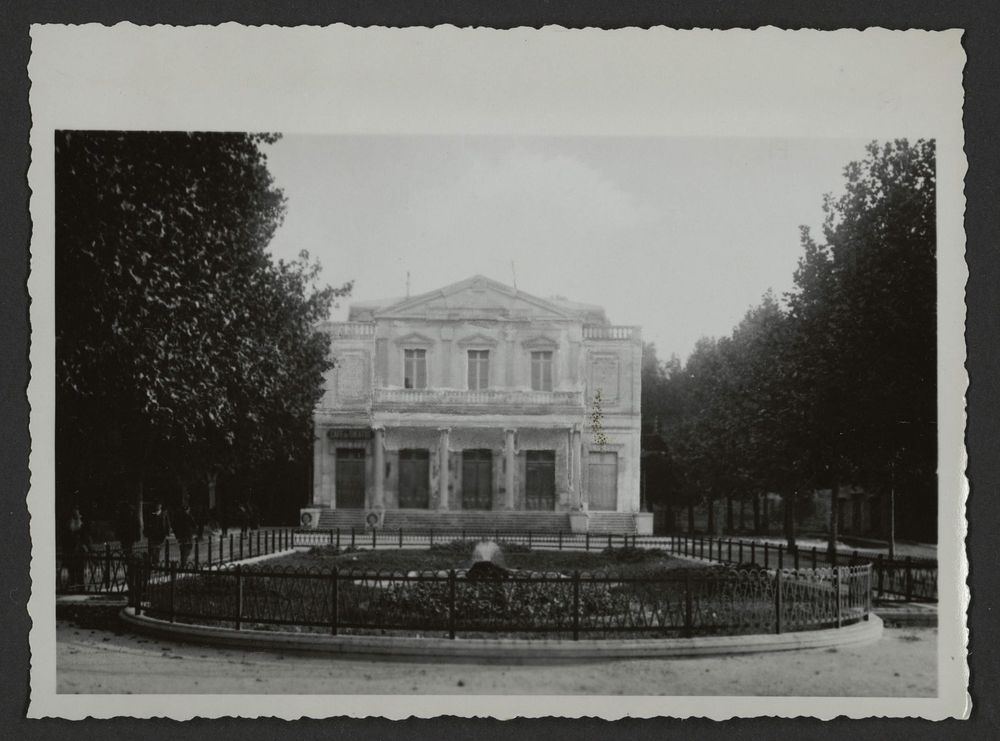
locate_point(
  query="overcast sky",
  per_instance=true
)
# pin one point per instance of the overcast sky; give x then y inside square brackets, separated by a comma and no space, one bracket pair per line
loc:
[680,236]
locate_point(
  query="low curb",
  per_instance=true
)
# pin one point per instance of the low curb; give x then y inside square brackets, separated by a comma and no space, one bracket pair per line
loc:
[506,650]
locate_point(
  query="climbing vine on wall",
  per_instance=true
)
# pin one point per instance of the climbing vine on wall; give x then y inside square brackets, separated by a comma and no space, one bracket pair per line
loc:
[597,421]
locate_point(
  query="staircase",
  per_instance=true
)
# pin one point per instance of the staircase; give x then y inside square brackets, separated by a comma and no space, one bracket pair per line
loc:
[613,523]
[424,520]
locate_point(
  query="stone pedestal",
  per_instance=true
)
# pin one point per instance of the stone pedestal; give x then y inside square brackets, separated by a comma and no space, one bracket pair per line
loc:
[644,523]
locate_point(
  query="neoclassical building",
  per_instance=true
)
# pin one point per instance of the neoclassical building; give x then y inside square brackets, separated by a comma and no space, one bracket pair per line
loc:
[476,404]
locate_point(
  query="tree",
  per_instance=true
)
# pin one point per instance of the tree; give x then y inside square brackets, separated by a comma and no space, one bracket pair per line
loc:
[864,311]
[180,345]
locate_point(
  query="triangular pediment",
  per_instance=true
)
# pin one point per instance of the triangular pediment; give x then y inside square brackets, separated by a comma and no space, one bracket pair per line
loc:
[477,297]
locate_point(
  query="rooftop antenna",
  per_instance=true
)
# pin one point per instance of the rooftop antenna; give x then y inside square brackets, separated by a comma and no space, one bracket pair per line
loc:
[407,283]
[513,273]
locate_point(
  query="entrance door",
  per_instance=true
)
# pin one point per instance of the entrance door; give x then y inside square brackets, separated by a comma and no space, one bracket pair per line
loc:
[477,479]
[414,479]
[602,478]
[350,478]
[540,480]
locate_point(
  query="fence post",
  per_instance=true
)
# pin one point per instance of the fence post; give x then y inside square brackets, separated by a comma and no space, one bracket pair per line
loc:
[880,569]
[688,604]
[335,606]
[258,541]
[239,595]
[173,587]
[241,545]
[868,592]
[451,603]
[814,557]
[586,537]
[777,600]
[107,565]
[576,605]
[795,557]
[374,536]
[529,540]
[781,556]
[222,548]
[352,536]
[609,541]
[741,551]
[560,540]
[338,538]
[753,552]
[836,593]
[729,551]
[209,549]
[400,537]
[909,579]
[766,560]
[463,534]
[432,537]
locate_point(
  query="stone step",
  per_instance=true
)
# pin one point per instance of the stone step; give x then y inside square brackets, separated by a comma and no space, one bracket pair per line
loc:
[616,523]
[454,520]
[601,523]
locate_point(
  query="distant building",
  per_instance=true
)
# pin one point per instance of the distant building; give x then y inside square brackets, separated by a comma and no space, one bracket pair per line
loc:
[474,404]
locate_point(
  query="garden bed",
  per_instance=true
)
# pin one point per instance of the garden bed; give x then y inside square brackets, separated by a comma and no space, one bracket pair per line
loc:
[458,555]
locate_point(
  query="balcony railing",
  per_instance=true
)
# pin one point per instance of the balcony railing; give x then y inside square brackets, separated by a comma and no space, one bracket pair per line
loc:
[499,398]
[351,330]
[598,332]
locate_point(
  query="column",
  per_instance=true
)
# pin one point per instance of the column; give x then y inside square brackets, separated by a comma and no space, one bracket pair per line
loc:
[576,450]
[509,464]
[379,445]
[319,458]
[443,475]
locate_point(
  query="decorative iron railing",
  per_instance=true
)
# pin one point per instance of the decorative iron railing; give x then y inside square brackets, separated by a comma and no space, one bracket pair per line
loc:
[907,579]
[103,569]
[683,602]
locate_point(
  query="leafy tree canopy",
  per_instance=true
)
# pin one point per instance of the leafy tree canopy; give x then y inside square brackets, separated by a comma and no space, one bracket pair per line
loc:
[178,339]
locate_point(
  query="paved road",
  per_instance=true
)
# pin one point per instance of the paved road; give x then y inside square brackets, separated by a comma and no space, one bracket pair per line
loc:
[93,658]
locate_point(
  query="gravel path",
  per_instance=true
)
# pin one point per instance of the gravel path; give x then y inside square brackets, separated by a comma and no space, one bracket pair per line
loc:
[93,658]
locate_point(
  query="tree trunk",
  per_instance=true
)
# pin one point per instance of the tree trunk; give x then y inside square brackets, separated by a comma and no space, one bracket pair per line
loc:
[213,478]
[892,511]
[788,499]
[834,518]
[138,500]
[756,514]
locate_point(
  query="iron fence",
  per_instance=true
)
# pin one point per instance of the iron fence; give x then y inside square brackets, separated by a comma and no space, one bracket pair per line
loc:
[104,569]
[686,602]
[907,579]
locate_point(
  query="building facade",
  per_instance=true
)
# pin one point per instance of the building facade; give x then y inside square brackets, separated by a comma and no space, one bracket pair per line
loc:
[479,398]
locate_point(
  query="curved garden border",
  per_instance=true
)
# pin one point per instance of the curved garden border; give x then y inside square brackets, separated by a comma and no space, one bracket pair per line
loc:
[507,649]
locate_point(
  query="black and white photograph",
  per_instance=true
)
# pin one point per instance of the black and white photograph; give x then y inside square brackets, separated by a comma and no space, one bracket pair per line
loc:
[459,411]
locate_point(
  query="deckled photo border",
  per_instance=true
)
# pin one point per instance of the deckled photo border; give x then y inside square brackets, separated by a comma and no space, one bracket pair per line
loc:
[875,84]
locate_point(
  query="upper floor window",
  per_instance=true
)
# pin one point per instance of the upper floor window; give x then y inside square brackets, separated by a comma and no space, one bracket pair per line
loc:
[541,370]
[415,369]
[479,370]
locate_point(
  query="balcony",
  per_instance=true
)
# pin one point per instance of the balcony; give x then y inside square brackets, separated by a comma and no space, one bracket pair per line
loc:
[608,332]
[492,401]
[350,330]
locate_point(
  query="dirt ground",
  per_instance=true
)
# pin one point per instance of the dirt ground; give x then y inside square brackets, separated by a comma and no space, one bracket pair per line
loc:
[96,658]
